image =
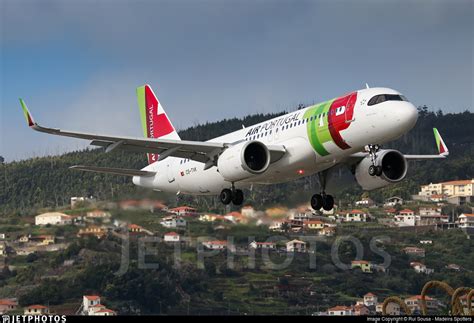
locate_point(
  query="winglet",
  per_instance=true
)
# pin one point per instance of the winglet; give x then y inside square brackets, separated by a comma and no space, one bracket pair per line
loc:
[27,114]
[442,149]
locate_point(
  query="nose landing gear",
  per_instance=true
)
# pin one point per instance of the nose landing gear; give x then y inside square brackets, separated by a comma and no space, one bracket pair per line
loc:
[374,170]
[323,200]
[233,195]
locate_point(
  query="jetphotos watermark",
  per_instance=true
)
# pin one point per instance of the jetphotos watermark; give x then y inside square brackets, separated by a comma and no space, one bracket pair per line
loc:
[33,318]
[276,253]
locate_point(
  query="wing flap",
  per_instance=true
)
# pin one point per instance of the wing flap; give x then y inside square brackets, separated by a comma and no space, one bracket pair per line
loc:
[115,171]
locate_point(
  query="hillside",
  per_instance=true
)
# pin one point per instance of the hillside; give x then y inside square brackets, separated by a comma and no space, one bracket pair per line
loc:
[46,182]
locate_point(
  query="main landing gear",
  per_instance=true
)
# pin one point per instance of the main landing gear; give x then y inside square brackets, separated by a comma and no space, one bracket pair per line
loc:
[323,200]
[374,170]
[233,195]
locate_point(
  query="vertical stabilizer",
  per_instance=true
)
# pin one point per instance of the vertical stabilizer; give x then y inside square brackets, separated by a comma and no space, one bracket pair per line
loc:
[155,122]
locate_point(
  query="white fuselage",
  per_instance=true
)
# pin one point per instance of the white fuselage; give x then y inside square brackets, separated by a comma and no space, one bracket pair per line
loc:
[374,124]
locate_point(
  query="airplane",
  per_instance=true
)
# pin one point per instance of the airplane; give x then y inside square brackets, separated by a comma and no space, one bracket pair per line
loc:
[348,130]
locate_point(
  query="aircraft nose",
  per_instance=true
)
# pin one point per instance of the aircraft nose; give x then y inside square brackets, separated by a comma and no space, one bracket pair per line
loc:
[409,115]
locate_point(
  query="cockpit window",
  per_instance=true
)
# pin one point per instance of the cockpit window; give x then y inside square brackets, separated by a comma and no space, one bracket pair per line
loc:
[386,97]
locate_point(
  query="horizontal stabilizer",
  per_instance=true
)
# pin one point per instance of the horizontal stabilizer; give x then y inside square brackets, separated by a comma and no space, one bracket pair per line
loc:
[115,171]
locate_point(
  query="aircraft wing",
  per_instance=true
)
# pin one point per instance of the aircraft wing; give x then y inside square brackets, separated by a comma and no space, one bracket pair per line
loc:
[200,151]
[115,171]
[442,149]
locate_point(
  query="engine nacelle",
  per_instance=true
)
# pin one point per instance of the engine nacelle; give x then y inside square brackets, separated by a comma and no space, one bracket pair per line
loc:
[243,160]
[394,169]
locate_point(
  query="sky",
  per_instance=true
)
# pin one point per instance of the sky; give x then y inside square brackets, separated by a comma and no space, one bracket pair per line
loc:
[77,63]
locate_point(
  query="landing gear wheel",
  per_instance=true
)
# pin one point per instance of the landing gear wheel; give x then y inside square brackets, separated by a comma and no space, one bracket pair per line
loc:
[372,170]
[238,197]
[226,196]
[378,170]
[328,202]
[317,202]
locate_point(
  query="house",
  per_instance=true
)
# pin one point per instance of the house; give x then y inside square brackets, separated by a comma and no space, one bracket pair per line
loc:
[211,217]
[407,219]
[421,268]
[392,201]
[391,309]
[53,218]
[137,229]
[426,241]
[453,267]
[429,211]
[313,224]
[81,199]
[365,202]
[183,211]
[296,246]
[370,299]
[364,265]
[98,214]
[173,222]
[7,305]
[3,236]
[407,212]
[276,226]
[91,306]
[3,249]
[36,310]
[235,217]
[262,245]
[360,310]
[215,244]
[93,230]
[340,311]
[327,231]
[414,251]
[248,211]
[391,211]
[44,239]
[171,237]
[414,304]
[355,216]
[466,221]
[431,219]
[24,238]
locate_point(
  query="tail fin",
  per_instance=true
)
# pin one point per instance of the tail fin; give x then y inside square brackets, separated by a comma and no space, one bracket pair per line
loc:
[155,122]
[442,148]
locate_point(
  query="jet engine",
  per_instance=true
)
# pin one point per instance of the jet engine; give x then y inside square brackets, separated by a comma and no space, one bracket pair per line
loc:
[394,169]
[243,160]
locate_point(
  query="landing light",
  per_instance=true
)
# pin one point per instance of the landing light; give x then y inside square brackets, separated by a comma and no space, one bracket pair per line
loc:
[300,171]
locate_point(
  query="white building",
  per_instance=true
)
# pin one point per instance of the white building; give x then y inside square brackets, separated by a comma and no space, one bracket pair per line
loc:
[340,311]
[91,306]
[248,211]
[405,220]
[3,249]
[466,221]
[370,299]
[421,268]
[262,245]
[215,244]
[296,246]
[365,202]
[173,222]
[53,218]
[172,237]
[354,216]
[36,310]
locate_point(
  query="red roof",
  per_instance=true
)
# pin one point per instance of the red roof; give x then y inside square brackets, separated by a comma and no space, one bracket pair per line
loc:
[105,310]
[134,226]
[92,297]
[369,295]
[357,211]
[7,302]
[217,242]
[391,210]
[466,214]
[313,222]
[407,211]
[97,305]
[339,308]
[37,307]
[459,182]
[235,214]
[359,262]
[183,208]
[171,234]
[418,297]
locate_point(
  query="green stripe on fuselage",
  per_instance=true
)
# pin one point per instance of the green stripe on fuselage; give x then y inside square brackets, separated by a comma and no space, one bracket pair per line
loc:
[317,133]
